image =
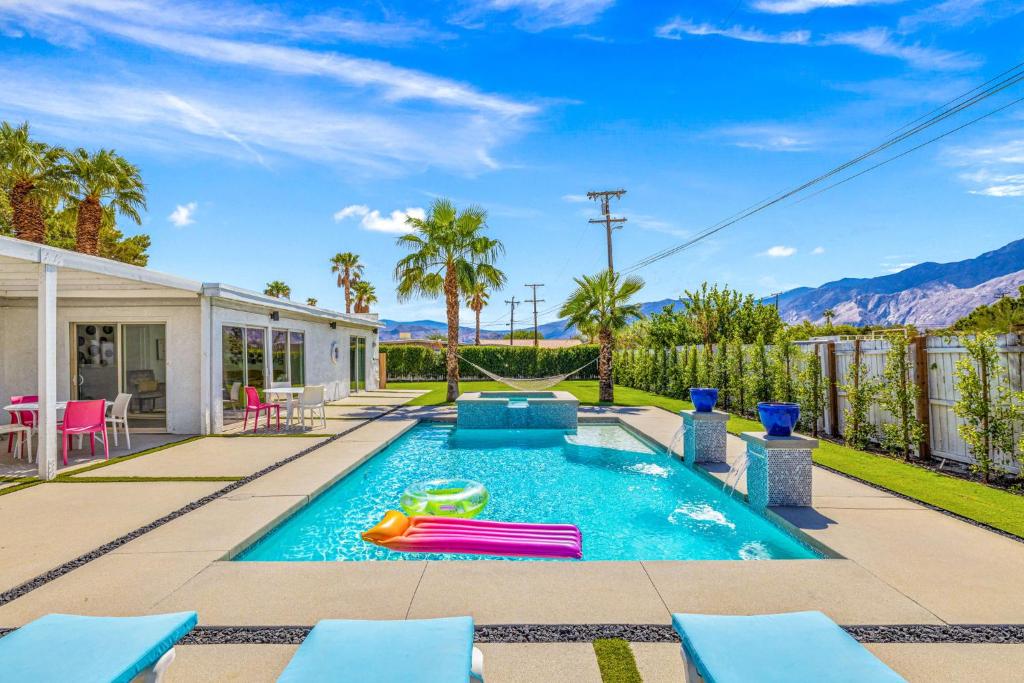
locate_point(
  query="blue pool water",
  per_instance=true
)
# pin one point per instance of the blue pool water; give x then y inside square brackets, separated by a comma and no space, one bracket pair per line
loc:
[630,501]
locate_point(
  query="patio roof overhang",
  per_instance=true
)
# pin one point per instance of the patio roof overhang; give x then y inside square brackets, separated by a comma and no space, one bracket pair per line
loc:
[82,276]
[248,297]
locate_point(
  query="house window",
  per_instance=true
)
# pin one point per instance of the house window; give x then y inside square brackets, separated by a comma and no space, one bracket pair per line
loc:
[297,357]
[279,356]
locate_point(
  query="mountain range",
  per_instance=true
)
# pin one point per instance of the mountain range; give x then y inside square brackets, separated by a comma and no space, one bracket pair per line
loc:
[927,295]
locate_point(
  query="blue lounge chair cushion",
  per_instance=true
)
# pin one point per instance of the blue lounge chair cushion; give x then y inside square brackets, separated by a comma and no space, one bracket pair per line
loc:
[796,647]
[65,647]
[411,651]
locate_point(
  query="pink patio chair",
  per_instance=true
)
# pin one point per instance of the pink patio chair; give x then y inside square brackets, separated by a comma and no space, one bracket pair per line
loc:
[26,418]
[85,417]
[253,403]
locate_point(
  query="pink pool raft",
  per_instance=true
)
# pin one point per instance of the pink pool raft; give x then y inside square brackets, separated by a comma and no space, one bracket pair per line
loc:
[475,537]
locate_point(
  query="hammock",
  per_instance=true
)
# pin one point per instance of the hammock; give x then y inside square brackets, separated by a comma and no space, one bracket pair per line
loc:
[528,384]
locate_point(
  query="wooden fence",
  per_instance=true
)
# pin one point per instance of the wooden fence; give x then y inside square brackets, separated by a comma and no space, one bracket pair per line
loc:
[932,360]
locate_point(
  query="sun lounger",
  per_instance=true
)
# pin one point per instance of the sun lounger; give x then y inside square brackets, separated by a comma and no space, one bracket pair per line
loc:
[408,651]
[800,647]
[65,647]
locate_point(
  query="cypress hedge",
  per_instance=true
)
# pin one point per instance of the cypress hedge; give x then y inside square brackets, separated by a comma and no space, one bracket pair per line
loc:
[418,363]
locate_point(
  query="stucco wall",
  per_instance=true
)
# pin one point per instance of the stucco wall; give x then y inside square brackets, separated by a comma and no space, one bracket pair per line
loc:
[318,338]
[18,369]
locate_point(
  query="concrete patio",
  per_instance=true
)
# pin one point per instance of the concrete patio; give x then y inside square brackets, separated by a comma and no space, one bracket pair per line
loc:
[901,563]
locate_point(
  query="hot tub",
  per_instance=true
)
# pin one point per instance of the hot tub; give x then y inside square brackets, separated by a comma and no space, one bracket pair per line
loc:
[517,410]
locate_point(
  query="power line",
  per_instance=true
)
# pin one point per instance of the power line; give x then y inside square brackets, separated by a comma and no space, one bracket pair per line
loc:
[761,206]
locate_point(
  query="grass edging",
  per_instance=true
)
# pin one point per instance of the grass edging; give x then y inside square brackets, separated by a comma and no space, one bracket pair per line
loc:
[19,487]
[136,480]
[616,661]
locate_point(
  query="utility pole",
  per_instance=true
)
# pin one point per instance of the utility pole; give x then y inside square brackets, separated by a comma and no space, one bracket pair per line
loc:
[610,223]
[512,319]
[535,301]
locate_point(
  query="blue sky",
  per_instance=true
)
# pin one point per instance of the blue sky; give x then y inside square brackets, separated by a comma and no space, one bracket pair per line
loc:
[273,135]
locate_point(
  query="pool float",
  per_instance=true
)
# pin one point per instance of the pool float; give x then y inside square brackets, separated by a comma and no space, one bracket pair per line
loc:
[445,498]
[475,537]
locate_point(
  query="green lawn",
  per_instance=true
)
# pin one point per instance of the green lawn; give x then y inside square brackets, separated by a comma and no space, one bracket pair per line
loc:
[985,504]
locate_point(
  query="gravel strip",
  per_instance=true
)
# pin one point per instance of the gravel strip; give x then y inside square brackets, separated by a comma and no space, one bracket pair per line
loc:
[634,633]
[67,567]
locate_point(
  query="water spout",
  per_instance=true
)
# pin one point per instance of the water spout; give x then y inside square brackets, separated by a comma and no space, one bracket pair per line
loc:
[676,442]
[735,472]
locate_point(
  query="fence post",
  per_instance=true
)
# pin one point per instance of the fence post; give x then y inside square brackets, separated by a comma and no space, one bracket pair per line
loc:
[383,364]
[924,449]
[833,390]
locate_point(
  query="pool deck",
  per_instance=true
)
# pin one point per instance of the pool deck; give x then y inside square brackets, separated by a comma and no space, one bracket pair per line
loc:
[901,563]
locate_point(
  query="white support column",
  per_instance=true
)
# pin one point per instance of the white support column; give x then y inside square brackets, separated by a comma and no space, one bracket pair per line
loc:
[205,365]
[46,448]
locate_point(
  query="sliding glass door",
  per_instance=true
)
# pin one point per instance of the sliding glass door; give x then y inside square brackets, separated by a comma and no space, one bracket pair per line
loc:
[357,364]
[251,355]
[131,358]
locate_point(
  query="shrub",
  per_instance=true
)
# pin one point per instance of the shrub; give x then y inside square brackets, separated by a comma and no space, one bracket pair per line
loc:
[985,402]
[409,362]
[758,378]
[811,389]
[781,367]
[861,391]
[898,396]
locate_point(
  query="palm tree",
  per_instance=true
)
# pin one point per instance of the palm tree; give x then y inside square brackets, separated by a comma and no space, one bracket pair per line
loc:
[349,270]
[365,295]
[476,299]
[278,289]
[828,314]
[311,301]
[102,181]
[450,252]
[599,307]
[32,174]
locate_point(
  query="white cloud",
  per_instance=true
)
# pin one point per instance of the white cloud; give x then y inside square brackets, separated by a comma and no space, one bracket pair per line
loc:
[575,198]
[804,6]
[219,18]
[769,137]
[1005,186]
[880,42]
[998,165]
[183,214]
[952,13]
[539,15]
[897,267]
[373,220]
[676,28]
[817,251]
[779,251]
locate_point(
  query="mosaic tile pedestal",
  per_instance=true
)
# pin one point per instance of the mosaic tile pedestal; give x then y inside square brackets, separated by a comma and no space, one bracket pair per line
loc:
[704,436]
[778,469]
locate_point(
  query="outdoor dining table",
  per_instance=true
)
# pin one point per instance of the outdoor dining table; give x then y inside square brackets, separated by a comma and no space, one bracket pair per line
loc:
[290,394]
[33,407]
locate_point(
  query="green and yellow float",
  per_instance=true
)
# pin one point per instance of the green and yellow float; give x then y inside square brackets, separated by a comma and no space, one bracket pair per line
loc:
[445,498]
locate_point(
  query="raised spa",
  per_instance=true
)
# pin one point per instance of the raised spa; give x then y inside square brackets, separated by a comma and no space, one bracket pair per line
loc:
[517,410]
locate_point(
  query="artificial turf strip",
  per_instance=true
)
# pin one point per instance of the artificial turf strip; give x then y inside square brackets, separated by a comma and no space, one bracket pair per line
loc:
[985,504]
[19,487]
[616,661]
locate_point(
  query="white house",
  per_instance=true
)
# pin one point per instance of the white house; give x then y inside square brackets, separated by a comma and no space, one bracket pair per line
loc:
[80,327]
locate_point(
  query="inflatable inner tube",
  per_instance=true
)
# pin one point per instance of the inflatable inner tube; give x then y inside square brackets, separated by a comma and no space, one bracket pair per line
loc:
[445,498]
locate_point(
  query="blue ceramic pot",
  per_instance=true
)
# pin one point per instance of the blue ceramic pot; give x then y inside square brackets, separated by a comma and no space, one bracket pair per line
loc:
[778,418]
[703,399]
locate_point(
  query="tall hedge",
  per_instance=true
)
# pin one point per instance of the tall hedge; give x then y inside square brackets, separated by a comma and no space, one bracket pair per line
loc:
[408,362]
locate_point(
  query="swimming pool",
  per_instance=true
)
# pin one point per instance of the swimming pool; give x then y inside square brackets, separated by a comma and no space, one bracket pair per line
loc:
[631,502]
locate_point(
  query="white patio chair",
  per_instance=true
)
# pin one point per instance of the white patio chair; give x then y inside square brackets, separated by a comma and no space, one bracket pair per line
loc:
[22,435]
[312,399]
[236,394]
[119,416]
